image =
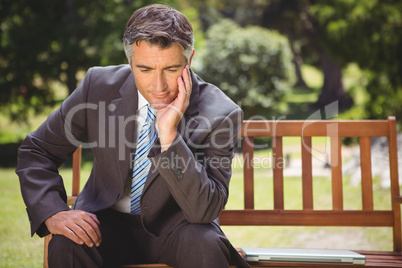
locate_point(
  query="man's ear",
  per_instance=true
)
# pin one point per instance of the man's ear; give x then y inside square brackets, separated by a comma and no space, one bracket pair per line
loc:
[191,57]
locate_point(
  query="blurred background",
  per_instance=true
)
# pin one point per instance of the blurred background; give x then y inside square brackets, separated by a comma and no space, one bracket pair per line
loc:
[278,59]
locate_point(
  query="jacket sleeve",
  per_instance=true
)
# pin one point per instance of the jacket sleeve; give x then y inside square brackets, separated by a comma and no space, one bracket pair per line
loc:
[41,154]
[199,181]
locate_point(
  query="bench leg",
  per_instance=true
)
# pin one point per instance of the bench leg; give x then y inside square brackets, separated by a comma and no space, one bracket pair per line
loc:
[45,251]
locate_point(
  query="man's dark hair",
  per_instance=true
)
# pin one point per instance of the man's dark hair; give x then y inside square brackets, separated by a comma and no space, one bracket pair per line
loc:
[158,25]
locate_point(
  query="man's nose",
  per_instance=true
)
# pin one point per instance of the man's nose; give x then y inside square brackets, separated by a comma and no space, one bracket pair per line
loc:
[160,82]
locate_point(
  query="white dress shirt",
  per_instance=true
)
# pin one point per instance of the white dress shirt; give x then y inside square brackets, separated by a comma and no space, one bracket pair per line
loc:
[123,204]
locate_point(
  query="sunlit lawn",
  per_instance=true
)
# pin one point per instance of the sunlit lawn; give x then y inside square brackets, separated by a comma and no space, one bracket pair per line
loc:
[17,248]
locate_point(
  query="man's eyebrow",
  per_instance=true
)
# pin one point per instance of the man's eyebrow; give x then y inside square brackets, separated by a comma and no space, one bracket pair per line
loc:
[173,66]
[143,66]
[167,67]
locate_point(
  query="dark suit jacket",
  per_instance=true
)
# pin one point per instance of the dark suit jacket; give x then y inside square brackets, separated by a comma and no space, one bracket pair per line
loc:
[188,182]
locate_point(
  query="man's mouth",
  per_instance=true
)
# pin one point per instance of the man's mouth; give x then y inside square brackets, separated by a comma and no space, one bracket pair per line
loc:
[160,95]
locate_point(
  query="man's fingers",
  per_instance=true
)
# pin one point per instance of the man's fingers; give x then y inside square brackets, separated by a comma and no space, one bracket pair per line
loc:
[187,80]
[92,230]
[182,87]
[94,218]
[72,236]
[96,226]
[85,233]
[79,226]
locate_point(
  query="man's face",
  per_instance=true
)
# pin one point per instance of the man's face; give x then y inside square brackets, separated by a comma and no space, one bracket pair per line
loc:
[156,71]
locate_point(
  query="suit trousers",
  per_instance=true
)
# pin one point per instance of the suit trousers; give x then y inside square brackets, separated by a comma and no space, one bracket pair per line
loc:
[124,241]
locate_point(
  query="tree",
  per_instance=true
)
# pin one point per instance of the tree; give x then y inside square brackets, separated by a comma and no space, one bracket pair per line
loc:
[332,34]
[370,34]
[252,65]
[43,41]
[293,19]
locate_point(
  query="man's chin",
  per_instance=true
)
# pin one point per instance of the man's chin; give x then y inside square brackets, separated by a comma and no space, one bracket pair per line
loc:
[159,106]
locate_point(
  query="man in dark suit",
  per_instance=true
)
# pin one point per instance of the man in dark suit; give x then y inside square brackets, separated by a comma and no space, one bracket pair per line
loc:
[152,197]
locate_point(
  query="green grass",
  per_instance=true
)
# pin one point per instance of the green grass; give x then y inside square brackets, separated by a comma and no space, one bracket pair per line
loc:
[17,248]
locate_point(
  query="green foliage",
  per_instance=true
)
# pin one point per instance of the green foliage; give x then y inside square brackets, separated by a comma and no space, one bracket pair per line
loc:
[370,34]
[385,97]
[251,65]
[42,41]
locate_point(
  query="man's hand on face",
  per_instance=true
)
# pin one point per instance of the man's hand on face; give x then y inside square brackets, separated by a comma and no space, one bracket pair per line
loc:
[77,225]
[169,117]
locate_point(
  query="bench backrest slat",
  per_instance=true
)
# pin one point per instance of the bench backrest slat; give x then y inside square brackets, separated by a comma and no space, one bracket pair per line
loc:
[365,167]
[77,155]
[248,171]
[393,165]
[278,163]
[307,173]
[336,171]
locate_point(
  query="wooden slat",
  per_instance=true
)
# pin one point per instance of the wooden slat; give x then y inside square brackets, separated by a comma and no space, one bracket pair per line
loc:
[46,250]
[393,166]
[76,171]
[365,167]
[248,171]
[307,173]
[351,128]
[336,168]
[278,163]
[307,218]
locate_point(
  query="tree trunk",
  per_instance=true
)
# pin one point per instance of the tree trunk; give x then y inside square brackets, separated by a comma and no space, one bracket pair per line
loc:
[332,89]
[298,62]
[333,86]
[71,77]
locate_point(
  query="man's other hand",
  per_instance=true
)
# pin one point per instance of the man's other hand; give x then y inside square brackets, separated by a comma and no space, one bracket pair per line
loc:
[77,225]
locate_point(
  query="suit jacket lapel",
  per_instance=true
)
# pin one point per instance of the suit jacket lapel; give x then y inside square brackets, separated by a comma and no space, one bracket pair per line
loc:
[125,115]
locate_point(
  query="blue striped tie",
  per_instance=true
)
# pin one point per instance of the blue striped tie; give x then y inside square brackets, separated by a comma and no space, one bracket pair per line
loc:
[142,164]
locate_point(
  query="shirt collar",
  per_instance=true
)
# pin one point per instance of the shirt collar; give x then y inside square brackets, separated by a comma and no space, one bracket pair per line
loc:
[141,101]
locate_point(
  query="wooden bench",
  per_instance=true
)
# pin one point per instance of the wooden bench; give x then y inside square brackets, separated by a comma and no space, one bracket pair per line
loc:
[367,216]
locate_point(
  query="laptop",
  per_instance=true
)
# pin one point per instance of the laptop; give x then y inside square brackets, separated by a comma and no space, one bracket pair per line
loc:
[332,256]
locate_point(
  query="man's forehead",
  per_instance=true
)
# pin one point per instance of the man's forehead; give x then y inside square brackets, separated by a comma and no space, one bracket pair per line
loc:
[147,45]
[144,52]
